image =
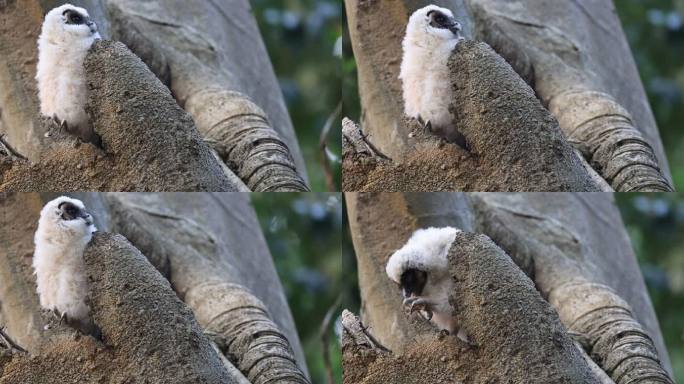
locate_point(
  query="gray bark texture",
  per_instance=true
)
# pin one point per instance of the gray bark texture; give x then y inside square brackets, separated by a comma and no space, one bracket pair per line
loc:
[508,150]
[208,307]
[209,246]
[585,76]
[517,335]
[249,140]
[149,142]
[573,246]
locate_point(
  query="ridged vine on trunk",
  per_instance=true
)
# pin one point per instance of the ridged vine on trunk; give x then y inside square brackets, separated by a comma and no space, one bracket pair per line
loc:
[260,149]
[240,325]
[546,43]
[569,274]
[204,274]
[609,332]
[240,132]
[605,134]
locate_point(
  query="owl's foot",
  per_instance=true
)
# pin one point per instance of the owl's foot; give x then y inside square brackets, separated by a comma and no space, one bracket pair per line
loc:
[427,125]
[64,126]
[419,304]
[63,319]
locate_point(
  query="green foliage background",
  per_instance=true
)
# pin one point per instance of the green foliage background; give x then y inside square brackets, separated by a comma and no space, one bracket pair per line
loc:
[655,30]
[304,235]
[655,223]
[304,38]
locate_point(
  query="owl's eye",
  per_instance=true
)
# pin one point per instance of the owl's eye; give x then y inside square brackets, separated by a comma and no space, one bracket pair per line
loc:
[69,211]
[74,18]
[439,18]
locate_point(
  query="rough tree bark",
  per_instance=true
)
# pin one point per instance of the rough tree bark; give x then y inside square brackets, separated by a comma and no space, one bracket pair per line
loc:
[585,74]
[571,245]
[582,74]
[517,337]
[218,59]
[209,262]
[508,150]
[210,253]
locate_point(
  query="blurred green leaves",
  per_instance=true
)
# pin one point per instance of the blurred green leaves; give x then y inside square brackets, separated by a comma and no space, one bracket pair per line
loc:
[304,235]
[304,38]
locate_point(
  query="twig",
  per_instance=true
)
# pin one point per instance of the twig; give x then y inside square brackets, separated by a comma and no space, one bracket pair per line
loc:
[359,142]
[9,342]
[373,147]
[325,340]
[356,330]
[4,145]
[322,144]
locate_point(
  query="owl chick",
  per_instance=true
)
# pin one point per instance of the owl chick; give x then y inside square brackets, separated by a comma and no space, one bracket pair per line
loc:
[431,35]
[66,36]
[64,230]
[421,269]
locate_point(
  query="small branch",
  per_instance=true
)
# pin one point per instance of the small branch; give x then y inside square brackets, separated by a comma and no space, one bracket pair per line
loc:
[4,337]
[358,141]
[7,148]
[325,340]
[322,144]
[355,329]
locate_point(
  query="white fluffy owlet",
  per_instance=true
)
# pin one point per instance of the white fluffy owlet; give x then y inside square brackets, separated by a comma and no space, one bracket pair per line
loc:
[65,38]
[64,230]
[431,35]
[421,268]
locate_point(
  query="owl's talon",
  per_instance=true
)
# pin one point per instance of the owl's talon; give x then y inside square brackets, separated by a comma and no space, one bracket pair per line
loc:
[419,304]
[420,120]
[408,301]
[63,319]
[428,126]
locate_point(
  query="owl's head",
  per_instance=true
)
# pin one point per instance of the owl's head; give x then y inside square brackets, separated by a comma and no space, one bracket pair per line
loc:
[68,23]
[422,260]
[433,24]
[67,214]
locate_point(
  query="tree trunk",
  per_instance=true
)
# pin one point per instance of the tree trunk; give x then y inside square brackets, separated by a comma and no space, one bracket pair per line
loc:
[507,149]
[570,245]
[206,55]
[577,69]
[210,253]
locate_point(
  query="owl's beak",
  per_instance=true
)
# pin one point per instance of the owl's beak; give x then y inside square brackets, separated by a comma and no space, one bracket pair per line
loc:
[92,26]
[455,28]
[87,218]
